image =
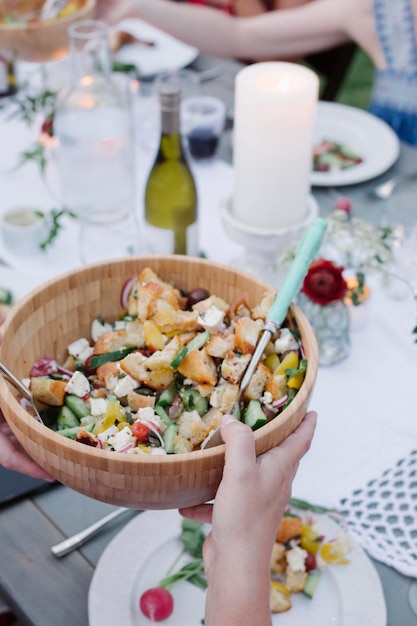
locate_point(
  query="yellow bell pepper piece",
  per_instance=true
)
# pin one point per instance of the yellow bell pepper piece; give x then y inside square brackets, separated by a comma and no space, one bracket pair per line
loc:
[290,360]
[296,381]
[333,555]
[309,539]
[154,339]
[272,361]
[280,587]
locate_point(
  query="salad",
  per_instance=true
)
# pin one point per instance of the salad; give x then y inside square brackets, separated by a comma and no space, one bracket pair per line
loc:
[158,379]
[299,556]
[330,156]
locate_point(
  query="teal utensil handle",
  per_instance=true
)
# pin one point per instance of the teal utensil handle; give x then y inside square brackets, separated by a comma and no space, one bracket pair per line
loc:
[306,251]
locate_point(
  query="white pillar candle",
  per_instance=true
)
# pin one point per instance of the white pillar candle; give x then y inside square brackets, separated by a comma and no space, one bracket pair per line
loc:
[275,106]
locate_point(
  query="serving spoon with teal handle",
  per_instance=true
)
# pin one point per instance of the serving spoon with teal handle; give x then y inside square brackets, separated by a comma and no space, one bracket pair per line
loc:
[306,252]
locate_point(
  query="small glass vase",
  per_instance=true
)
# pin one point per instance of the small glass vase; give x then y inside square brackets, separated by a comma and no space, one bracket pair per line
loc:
[331,326]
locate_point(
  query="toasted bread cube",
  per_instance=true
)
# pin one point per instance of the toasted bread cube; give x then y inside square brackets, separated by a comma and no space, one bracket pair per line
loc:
[278,560]
[212,418]
[233,366]
[256,386]
[48,391]
[138,401]
[108,373]
[192,427]
[109,342]
[203,305]
[200,367]
[277,386]
[246,334]
[135,333]
[279,601]
[154,371]
[219,345]
[223,396]
[260,311]
[295,581]
[182,445]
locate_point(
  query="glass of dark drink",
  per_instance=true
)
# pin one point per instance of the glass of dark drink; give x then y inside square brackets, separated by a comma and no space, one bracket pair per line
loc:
[203,120]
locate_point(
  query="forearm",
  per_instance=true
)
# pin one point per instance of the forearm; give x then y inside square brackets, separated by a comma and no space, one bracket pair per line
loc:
[312,27]
[237,598]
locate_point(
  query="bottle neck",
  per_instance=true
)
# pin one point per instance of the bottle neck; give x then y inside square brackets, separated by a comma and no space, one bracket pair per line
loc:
[170,121]
[89,50]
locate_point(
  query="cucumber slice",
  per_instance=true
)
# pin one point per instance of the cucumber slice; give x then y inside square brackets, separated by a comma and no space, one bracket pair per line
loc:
[6,296]
[167,396]
[160,411]
[71,433]
[116,355]
[77,406]
[312,582]
[168,437]
[254,416]
[193,400]
[195,344]
[66,418]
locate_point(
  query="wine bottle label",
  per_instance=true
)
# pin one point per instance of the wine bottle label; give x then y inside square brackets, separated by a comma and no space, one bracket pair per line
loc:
[167,241]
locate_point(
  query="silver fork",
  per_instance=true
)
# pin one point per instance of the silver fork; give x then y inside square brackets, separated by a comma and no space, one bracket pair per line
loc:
[386,189]
[24,391]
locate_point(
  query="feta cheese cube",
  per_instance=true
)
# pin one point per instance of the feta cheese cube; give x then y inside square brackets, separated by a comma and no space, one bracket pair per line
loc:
[286,341]
[99,328]
[78,384]
[121,439]
[98,406]
[212,319]
[124,386]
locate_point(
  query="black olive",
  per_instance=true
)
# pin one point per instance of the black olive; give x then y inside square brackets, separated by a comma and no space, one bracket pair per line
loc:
[196,295]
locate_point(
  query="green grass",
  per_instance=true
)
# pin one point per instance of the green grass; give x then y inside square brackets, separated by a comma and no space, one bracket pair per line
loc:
[356,88]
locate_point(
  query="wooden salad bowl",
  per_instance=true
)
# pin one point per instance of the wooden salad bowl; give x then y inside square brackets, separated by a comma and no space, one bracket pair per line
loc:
[61,310]
[39,41]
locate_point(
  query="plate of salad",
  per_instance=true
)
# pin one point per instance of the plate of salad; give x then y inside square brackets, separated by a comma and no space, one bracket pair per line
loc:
[158,546]
[350,146]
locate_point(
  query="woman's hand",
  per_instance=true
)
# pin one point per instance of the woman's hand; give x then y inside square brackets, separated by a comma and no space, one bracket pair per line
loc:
[245,516]
[13,457]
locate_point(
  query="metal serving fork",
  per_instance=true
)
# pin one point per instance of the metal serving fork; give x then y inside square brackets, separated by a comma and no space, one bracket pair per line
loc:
[24,391]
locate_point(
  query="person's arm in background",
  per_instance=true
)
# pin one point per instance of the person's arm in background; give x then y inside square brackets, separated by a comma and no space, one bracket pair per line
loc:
[245,516]
[294,32]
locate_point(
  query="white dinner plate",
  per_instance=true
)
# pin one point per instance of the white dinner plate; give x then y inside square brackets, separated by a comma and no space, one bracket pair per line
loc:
[140,555]
[368,136]
[166,55]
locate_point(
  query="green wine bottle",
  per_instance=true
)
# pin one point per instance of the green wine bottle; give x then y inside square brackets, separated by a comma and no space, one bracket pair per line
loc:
[170,194]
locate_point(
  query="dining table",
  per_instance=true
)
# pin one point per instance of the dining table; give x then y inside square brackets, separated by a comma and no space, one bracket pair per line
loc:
[366,405]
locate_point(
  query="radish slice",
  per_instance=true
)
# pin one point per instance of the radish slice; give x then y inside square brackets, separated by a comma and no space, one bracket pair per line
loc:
[124,294]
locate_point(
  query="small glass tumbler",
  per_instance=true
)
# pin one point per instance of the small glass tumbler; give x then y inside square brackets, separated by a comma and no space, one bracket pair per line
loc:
[203,120]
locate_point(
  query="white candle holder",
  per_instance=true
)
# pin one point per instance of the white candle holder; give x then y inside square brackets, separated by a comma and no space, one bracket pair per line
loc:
[263,248]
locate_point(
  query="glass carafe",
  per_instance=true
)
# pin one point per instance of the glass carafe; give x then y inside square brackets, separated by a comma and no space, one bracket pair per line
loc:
[94,126]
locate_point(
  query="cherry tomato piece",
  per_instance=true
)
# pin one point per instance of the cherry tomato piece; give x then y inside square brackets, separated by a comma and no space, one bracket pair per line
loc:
[156,604]
[140,431]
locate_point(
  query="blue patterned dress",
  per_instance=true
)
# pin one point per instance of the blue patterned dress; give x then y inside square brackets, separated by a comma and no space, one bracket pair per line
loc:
[394,95]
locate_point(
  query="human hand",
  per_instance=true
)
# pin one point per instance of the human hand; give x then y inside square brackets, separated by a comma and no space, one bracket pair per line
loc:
[245,516]
[13,456]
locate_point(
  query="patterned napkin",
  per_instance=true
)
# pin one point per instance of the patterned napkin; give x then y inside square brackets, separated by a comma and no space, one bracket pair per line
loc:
[382,516]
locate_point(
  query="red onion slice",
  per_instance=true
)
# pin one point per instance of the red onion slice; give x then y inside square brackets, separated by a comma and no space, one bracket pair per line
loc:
[124,294]
[279,403]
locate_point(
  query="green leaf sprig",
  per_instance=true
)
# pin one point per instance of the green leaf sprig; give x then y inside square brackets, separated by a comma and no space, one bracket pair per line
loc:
[56,225]
[192,538]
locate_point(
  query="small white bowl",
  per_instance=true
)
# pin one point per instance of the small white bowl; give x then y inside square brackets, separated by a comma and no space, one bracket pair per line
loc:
[24,229]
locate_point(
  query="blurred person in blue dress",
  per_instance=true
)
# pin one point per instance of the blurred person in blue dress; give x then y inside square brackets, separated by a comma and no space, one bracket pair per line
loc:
[384,29]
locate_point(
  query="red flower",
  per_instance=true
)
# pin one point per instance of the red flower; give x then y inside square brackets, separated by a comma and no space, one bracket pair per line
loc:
[324,282]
